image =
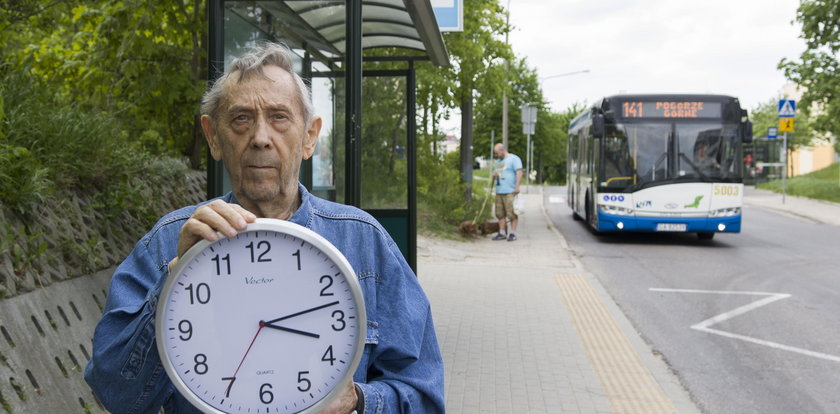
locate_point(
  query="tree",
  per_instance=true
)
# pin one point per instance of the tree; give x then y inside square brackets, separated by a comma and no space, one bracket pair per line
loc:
[476,55]
[818,69]
[522,88]
[552,159]
[140,60]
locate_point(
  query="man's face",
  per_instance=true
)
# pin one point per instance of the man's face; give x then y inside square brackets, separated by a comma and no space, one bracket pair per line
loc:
[499,152]
[261,136]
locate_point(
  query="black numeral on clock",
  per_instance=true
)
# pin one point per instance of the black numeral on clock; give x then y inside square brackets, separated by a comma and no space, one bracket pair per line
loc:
[200,364]
[185,327]
[227,390]
[328,356]
[260,246]
[339,317]
[303,384]
[297,254]
[200,293]
[218,261]
[329,281]
[265,394]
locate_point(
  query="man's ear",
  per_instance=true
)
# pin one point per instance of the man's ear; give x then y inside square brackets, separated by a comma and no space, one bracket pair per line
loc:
[311,137]
[212,137]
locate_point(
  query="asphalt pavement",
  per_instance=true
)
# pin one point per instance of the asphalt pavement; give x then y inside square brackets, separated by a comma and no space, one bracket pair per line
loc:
[524,327]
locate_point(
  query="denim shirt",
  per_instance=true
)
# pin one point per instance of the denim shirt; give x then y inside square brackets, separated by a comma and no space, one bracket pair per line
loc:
[401,369]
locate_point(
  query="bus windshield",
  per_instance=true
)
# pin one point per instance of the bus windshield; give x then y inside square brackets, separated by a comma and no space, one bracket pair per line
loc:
[638,155]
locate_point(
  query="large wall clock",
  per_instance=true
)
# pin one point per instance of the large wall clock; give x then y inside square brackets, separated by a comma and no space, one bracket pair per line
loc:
[270,321]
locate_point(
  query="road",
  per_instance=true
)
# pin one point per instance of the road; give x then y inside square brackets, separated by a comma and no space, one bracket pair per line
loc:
[775,344]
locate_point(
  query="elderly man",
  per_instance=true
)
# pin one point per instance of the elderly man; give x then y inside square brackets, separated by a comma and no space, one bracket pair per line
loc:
[258,120]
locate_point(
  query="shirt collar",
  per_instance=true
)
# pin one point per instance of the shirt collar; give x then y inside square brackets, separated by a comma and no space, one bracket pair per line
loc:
[301,216]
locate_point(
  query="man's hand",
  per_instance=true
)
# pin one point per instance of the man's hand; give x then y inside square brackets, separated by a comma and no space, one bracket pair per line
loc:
[345,403]
[215,216]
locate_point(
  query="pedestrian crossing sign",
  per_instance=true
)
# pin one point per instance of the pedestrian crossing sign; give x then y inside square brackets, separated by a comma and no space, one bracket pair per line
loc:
[787,108]
[786,124]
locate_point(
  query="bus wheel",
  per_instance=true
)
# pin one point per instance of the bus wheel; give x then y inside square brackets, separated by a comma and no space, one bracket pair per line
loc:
[586,210]
[705,235]
[590,219]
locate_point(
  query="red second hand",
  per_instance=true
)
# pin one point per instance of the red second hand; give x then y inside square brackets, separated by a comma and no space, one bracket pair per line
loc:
[233,378]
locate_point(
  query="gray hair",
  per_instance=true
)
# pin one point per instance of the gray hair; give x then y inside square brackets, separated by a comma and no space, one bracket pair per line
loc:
[252,63]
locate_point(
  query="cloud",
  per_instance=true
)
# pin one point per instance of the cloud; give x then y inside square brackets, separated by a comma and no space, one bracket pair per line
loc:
[648,46]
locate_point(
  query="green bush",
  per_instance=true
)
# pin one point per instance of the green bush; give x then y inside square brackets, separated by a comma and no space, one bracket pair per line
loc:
[440,196]
[50,147]
[823,184]
[23,180]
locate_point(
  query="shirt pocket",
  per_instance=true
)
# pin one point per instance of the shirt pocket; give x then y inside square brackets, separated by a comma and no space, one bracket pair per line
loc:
[371,341]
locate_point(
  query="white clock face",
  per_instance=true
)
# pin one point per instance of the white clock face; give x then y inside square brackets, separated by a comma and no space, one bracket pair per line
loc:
[266,322]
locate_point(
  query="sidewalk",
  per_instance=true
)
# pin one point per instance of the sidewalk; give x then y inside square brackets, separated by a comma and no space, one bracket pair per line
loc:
[525,329]
[824,212]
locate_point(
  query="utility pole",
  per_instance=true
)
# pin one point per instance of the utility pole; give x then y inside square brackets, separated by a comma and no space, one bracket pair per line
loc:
[504,87]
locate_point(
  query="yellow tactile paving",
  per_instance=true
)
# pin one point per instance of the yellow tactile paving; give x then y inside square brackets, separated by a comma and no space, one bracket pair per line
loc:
[628,384]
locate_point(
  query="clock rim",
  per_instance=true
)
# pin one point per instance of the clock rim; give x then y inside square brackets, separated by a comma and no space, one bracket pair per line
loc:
[301,233]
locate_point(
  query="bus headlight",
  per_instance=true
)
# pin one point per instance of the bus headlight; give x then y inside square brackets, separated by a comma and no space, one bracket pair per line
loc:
[615,210]
[725,212]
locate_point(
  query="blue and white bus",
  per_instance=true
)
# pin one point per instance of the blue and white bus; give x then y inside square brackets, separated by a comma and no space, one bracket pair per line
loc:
[659,163]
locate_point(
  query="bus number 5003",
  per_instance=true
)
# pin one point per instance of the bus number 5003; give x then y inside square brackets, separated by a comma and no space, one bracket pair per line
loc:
[726,190]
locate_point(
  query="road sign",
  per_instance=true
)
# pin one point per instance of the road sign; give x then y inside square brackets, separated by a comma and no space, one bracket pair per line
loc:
[528,129]
[449,15]
[786,124]
[787,108]
[772,132]
[529,114]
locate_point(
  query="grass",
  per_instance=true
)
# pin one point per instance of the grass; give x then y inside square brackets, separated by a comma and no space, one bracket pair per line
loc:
[822,184]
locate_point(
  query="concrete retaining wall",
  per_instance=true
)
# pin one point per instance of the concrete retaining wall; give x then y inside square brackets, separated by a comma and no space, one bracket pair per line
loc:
[49,308]
[45,342]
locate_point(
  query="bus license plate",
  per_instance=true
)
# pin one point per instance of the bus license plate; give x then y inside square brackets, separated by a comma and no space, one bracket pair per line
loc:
[670,226]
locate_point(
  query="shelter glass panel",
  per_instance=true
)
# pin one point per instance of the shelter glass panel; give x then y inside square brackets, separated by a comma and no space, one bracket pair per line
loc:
[384,144]
[247,23]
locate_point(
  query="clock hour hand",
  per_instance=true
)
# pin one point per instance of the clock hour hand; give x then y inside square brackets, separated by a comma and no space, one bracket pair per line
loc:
[283,328]
[326,305]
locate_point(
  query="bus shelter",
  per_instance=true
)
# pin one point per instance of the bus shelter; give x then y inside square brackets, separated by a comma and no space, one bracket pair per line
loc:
[366,152]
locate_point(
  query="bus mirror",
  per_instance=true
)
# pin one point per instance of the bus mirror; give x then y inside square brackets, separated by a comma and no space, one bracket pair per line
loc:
[748,132]
[598,126]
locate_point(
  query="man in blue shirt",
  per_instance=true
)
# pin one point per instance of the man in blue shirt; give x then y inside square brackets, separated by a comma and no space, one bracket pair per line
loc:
[508,175]
[258,119]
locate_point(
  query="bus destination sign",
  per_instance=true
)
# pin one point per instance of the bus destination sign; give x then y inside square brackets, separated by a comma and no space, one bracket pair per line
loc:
[670,109]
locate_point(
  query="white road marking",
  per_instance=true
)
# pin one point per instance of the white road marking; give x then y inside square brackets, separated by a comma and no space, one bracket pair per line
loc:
[705,326]
[555,199]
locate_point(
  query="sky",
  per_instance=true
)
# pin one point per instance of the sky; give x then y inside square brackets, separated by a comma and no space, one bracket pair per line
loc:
[729,47]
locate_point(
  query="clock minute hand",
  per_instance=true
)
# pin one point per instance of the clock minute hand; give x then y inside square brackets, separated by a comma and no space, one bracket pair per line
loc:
[326,305]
